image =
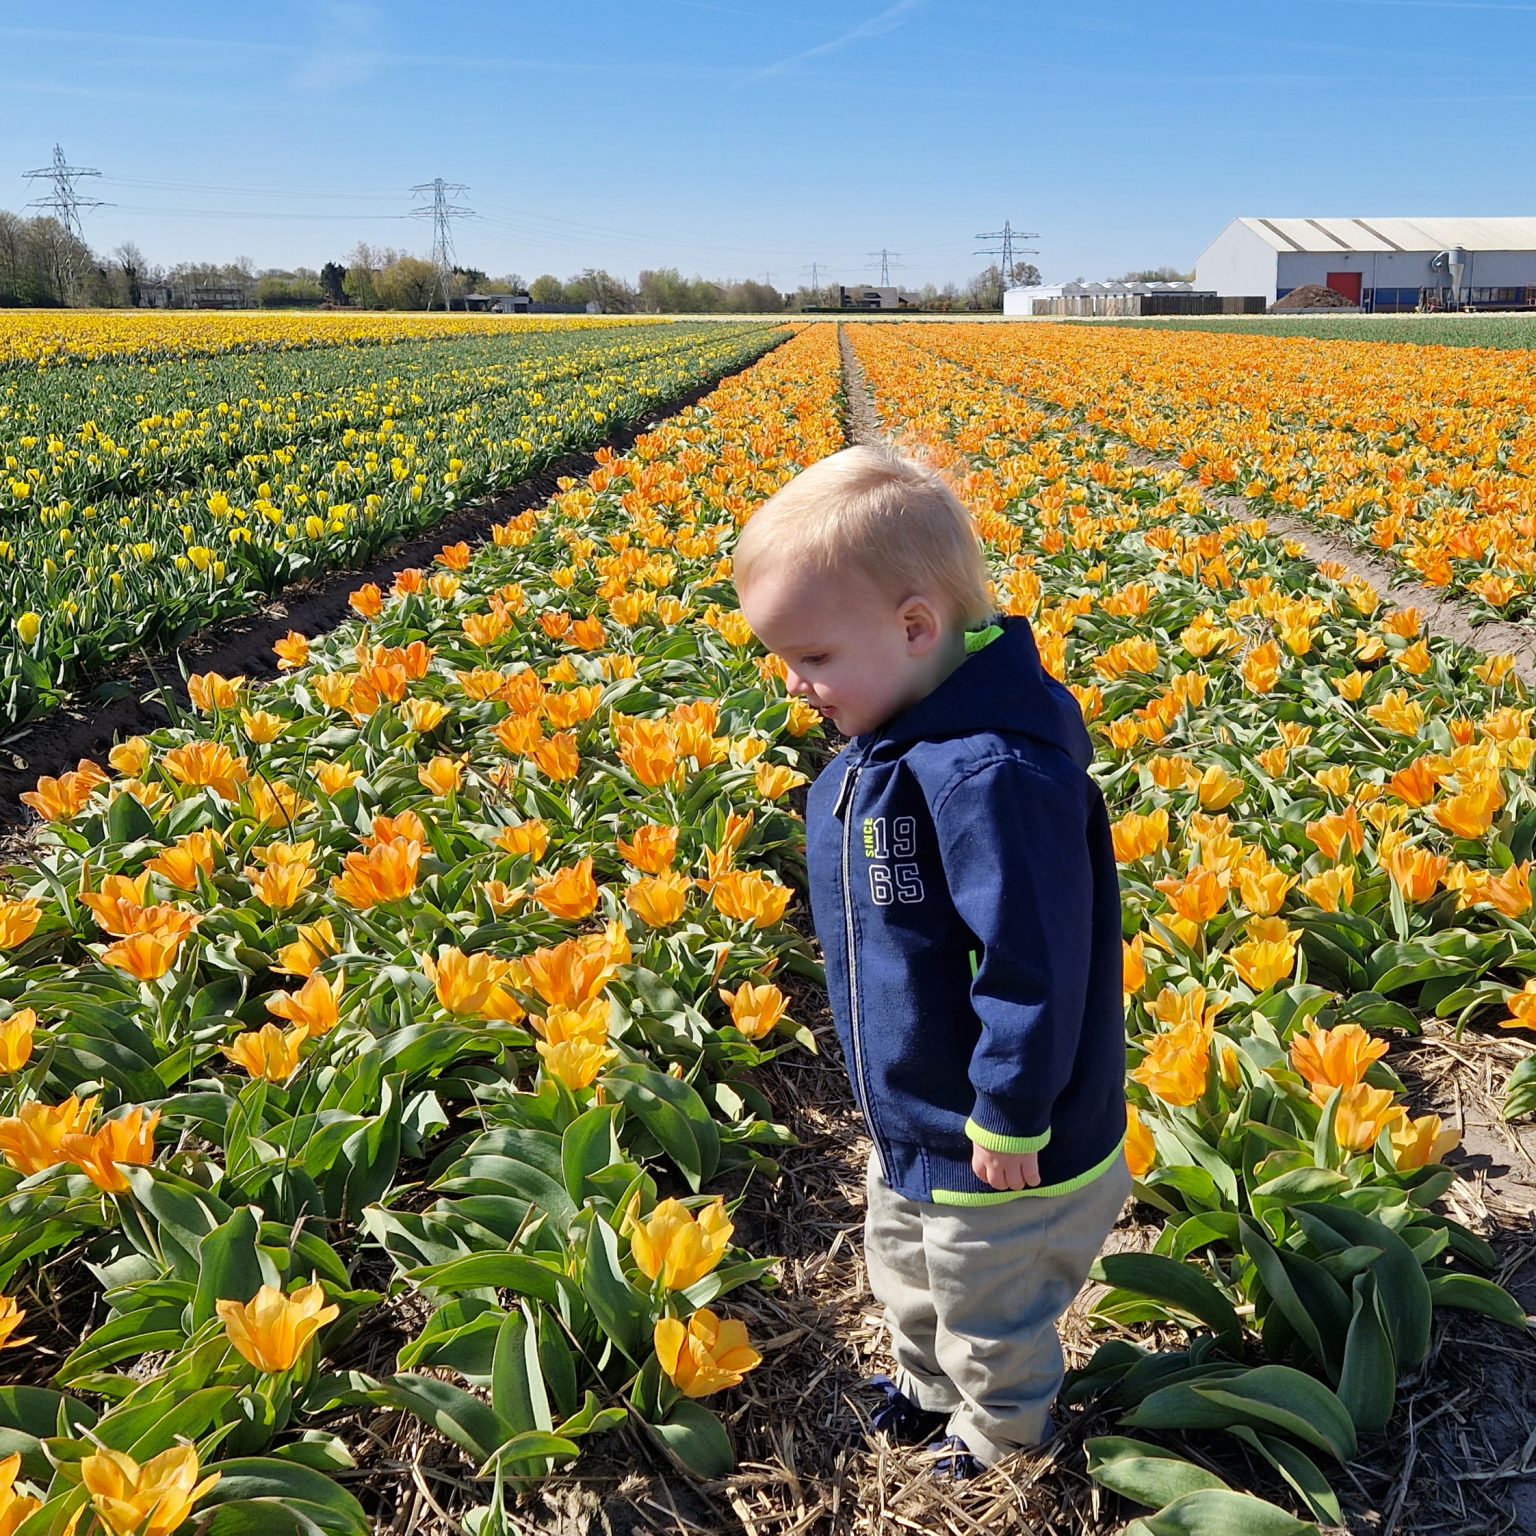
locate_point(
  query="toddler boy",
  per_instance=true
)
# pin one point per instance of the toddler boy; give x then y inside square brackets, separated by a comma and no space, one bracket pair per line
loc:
[964,889]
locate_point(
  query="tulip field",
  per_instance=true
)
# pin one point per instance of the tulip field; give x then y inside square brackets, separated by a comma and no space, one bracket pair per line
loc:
[375,1043]
[143,498]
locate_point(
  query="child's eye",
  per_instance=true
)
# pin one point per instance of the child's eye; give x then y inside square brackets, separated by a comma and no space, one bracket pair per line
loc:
[812,661]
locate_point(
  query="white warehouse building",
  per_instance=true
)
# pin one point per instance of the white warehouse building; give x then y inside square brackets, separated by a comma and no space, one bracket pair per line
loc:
[1383,265]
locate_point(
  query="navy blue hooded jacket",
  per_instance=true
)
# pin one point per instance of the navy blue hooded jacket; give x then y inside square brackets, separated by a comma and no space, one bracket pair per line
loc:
[965,891]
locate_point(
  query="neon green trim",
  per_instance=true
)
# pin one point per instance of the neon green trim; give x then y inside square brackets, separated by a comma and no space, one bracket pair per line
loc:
[998,1196]
[975,965]
[975,639]
[995,1143]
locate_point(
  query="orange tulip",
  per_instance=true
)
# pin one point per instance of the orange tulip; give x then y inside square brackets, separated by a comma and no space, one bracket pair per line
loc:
[1136,836]
[379,875]
[209,691]
[570,974]
[314,943]
[315,1007]
[1140,1147]
[704,1355]
[653,849]
[1335,1058]
[32,1139]
[207,765]
[528,839]
[128,1141]
[569,893]
[1416,872]
[750,898]
[559,758]
[180,864]
[660,900]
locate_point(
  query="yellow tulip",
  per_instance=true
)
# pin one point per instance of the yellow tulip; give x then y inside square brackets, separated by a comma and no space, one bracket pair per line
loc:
[1267,956]
[16,1039]
[268,1052]
[150,1500]
[18,921]
[11,1314]
[272,1330]
[676,1246]
[1417,1143]
[1363,1114]
[576,1063]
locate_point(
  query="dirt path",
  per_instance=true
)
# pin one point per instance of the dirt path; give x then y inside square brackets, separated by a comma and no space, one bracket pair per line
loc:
[1445,616]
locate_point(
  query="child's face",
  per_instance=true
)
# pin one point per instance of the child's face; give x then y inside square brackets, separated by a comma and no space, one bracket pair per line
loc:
[857,656]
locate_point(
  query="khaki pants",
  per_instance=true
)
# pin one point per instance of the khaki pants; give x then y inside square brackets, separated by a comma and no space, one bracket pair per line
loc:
[972,1296]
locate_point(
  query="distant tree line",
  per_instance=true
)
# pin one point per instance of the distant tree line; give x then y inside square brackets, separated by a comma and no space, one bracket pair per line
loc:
[43,265]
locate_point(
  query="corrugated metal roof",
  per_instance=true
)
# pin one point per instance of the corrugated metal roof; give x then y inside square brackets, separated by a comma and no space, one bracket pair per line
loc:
[1372,234]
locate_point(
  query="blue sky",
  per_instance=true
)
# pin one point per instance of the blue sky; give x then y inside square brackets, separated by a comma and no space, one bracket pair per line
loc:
[742,138]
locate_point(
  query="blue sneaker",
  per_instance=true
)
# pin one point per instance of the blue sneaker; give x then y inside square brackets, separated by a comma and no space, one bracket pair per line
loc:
[953,1460]
[906,1422]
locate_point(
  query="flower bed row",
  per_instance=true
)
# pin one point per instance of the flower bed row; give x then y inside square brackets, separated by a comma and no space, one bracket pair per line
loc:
[232,478]
[56,338]
[1425,453]
[414,997]
[1324,819]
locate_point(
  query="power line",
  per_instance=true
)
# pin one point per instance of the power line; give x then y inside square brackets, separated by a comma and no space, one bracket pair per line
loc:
[885,264]
[1007,234]
[442,212]
[66,202]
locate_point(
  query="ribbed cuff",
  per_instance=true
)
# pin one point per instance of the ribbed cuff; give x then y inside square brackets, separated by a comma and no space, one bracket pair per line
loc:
[993,1142]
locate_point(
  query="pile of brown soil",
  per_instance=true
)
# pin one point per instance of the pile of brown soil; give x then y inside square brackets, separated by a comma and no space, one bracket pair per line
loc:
[1311,296]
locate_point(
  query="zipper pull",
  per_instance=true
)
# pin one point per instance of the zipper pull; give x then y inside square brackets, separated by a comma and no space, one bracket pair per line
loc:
[845,791]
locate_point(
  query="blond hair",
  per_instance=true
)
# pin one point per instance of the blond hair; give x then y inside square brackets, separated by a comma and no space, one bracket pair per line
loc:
[890,519]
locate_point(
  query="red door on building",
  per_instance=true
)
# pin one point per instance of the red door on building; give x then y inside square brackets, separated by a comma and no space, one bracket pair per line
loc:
[1346,285]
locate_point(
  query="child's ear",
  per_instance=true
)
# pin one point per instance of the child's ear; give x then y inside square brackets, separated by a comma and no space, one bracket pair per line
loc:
[920,619]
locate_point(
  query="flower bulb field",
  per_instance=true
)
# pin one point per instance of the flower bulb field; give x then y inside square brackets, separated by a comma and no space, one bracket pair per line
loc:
[390,1053]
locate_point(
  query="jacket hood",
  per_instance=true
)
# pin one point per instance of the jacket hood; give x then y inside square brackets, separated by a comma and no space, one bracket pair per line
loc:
[1000,686]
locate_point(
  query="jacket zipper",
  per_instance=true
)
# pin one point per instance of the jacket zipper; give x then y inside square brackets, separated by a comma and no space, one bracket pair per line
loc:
[844,808]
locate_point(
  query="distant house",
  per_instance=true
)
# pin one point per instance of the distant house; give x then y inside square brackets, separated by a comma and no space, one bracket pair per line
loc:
[1383,265]
[877,298]
[495,303]
[186,296]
